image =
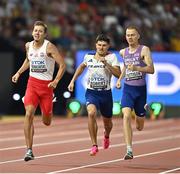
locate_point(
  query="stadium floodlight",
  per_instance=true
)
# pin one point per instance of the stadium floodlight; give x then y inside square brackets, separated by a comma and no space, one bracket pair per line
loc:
[156,110]
[116,108]
[74,106]
[156,107]
[67,94]
[16,97]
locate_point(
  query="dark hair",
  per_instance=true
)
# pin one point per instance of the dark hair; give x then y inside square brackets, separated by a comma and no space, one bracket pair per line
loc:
[133,27]
[103,37]
[41,23]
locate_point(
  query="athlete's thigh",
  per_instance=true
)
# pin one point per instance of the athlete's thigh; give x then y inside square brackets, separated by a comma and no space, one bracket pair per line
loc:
[92,97]
[46,102]
[106,104]
[31,97]
[127,100]
[140,103]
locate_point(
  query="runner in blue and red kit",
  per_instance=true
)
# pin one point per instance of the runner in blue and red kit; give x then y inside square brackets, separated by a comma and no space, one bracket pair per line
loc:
[101,66]
[137,62]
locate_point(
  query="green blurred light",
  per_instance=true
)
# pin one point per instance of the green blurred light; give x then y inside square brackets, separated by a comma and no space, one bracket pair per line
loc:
[74,106]
[156,107]
[116,108]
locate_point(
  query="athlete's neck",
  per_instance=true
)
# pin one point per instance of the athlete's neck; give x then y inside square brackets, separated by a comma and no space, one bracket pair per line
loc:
[98,56]
[38,43]
[133,47]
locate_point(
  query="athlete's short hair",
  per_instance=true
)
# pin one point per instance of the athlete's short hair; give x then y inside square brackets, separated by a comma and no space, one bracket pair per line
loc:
[133,27]
[103,37]
[41,23]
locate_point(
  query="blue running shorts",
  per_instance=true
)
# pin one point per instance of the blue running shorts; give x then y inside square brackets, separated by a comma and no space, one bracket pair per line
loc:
[134,97]
[102,100]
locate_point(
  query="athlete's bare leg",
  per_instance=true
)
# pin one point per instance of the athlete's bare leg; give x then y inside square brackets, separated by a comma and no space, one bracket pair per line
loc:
[47,119]
[107,126]
[92,124]
[28,125]
[139,123]
[127,125]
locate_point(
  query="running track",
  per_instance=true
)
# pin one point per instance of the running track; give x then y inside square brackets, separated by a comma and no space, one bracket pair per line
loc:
[64,148]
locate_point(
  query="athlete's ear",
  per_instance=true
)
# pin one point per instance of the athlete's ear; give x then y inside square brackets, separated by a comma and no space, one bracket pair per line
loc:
[138,36]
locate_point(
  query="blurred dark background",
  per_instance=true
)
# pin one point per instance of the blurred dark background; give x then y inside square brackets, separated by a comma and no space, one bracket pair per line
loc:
[73,25]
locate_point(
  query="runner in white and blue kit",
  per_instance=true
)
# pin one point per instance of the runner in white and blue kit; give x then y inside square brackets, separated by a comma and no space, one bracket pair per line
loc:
[137,62]
[101,66]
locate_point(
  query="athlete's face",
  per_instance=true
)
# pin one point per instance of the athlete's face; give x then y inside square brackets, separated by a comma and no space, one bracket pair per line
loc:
[38,33]
[102,47]
[132,36]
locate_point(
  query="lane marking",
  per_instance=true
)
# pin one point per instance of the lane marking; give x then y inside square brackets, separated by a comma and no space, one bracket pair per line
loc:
[75,132]
[113,161]
[86,139]
[168,171]
[76,124]
[86,150]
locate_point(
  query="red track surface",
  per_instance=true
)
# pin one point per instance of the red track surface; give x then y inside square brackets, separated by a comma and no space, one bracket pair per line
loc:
[64,148]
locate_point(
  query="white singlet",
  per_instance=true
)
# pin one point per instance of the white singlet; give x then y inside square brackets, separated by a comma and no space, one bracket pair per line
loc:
[99,76]
[41,66]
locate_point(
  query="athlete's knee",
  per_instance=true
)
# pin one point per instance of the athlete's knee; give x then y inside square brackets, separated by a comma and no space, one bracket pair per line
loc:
[29,114]
[92,113]
[139,123]
[126,117]
[139,128]
[47,123]
[47,120]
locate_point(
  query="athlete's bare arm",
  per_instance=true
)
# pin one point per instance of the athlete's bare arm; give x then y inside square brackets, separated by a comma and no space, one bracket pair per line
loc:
[118,83]
[115,70]
[53,52]
[146,56]
[78,72]
[124,68]
[23,68]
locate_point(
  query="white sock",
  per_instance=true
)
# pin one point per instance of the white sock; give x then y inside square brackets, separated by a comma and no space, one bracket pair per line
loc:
[129,148]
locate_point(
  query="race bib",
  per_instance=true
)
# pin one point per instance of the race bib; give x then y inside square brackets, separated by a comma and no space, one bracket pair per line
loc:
[38,66]
[133,75]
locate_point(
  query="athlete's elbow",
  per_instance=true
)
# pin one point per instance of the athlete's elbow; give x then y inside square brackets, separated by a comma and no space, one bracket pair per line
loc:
[117,74]
[152,71]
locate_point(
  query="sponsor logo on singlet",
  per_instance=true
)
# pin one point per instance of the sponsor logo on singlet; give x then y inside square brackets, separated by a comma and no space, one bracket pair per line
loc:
[97,81]
[38,66]
[132,75]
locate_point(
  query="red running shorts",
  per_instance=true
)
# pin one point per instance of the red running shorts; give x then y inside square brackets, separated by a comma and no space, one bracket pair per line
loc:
[38,93]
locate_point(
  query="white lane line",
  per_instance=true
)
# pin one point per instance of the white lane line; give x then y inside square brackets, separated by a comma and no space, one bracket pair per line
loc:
[86,139]
[76,124]
[113,161]
[112,146]
[75,132]
[172,170]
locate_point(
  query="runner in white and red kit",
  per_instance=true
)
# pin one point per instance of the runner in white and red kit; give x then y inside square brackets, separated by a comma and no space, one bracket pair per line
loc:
[41,58]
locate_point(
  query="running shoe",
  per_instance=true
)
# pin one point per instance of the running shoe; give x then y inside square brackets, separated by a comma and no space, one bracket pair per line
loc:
[106,143]
[29,155]
[94,150]
[128,156]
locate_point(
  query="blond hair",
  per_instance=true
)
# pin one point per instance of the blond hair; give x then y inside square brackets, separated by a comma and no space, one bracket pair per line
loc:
[41,23]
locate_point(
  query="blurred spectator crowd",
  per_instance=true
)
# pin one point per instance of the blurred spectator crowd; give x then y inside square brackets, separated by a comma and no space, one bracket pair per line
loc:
[74,24]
